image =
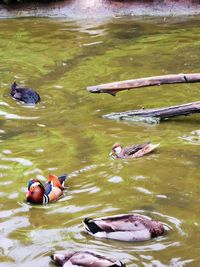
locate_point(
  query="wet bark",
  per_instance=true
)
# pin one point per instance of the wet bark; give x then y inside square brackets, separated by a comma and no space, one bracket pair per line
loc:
[114,87]
[160,113]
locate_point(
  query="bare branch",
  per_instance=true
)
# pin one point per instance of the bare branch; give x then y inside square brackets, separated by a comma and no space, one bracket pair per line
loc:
[160,113]
[113,88]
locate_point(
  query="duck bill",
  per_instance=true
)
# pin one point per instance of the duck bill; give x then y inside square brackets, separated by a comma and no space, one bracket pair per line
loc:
[112,155]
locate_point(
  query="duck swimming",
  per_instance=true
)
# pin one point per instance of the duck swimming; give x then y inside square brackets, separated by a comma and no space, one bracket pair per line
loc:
[84,259]
[42,194]
[27,95]
[125,227]
[134,151]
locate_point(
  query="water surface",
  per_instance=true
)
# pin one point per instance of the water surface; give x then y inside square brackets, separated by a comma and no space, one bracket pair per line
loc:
[65,133]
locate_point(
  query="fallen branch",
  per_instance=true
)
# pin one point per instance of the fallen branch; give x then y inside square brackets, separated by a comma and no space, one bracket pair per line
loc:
[155,115]
[113,88]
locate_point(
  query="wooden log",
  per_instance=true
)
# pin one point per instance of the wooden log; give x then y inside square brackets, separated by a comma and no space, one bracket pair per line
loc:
[158,113]
[113,88]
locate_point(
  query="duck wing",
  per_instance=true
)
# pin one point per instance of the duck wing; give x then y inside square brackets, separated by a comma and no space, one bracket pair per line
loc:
[131,150]
[124,222]
[88,258]
[57,181]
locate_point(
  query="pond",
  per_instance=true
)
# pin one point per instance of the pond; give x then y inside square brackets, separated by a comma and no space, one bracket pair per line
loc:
[65,133]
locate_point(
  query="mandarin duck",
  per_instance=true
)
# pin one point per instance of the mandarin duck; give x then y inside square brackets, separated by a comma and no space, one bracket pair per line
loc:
[124,227]
[42,194]
[134,151]
[27,95]
[84,259]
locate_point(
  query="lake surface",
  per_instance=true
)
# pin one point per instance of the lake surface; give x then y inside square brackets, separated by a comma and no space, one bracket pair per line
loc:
[66,133]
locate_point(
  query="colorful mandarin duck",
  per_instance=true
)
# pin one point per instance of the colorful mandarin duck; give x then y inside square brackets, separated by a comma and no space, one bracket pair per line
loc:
[84,259]
[125,227]
[27,95]
[134,151]
[42,194]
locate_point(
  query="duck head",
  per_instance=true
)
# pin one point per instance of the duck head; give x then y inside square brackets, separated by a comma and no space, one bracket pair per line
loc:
[116,150]
[35,192]
[13,86]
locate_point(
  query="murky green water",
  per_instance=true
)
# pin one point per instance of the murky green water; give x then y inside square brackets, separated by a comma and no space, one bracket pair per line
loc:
[66,134]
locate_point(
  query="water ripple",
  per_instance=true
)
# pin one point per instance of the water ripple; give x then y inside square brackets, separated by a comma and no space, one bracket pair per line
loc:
[22,161]
[15,116]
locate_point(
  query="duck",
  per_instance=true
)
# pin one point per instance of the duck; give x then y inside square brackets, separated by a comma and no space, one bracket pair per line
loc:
[84,259]
[133,151]
[24,94]
[124,227]
[43,194]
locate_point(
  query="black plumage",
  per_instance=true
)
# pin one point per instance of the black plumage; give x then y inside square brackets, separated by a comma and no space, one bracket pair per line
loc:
[27,95]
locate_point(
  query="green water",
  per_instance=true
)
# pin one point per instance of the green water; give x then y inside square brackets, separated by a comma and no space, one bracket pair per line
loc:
[65,133]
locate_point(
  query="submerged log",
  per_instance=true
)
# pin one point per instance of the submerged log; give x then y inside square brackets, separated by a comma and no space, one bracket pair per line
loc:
[155,115]
[113,88]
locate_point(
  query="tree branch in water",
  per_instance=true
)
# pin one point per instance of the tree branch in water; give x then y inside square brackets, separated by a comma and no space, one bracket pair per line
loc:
[115,87]
[155,115]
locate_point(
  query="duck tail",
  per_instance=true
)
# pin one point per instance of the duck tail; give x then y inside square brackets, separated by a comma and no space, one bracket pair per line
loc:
[151,147]
[62,179]
[91,226]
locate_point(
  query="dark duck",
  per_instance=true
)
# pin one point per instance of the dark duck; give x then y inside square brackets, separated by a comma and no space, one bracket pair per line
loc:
[24,94]
[125,227]
[43,194]
[84,259]
[134,151]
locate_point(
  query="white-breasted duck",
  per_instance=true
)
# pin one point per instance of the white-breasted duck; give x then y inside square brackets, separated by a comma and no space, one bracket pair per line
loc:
[124,227]
[134,151]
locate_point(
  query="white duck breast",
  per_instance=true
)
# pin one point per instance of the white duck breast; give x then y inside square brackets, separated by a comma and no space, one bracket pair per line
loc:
[129,236]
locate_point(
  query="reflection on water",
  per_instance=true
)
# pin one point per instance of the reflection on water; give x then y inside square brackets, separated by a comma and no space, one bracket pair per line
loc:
[66,133]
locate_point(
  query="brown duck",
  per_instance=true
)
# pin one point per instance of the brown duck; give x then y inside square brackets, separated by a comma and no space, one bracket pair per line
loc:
[84,259]
[134,151]
[124,227]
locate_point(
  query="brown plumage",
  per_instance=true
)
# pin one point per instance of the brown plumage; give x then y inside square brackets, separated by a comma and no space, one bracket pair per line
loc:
[124,227]
[84,259]
[134,151]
